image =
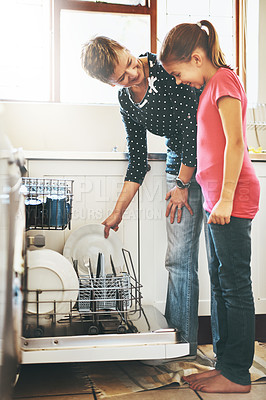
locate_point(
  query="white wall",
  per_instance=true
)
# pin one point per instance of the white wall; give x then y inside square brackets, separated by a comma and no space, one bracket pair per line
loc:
[67,127]
[47,126]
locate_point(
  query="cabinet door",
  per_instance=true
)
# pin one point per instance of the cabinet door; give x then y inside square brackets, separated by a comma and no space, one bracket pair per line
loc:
[258,256]
[97,184]
[153,236]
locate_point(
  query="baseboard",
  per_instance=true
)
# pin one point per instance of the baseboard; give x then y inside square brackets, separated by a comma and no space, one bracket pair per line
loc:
[205,336]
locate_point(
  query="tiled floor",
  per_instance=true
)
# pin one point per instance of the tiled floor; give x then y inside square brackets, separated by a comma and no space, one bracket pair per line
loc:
[258,392]
[50,381]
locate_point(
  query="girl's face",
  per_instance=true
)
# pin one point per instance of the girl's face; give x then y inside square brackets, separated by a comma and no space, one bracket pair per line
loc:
[188,73]
[128,71]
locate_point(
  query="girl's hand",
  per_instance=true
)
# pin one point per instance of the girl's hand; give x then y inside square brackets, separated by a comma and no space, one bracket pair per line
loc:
[221,212]
[112,222]
[178,199]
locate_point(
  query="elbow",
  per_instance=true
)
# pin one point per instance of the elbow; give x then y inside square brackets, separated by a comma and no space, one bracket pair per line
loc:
[241,146]
[237,145]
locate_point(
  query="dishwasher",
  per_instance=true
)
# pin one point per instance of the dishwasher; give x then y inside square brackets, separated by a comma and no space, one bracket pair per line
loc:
[99,315]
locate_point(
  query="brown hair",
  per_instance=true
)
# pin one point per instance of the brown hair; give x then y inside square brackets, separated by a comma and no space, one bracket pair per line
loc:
[183,39]
[99,57]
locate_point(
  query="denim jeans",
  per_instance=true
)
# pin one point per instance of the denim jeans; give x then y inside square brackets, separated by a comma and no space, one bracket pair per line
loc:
[181,262]
[230,253]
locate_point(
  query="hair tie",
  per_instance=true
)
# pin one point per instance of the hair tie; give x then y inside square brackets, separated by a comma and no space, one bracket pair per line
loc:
[199,24]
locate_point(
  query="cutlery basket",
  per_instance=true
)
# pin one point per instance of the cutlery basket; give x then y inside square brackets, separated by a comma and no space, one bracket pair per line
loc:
[48,203]
[108,292]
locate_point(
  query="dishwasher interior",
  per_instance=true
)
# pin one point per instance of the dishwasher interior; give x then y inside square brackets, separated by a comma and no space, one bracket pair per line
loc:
[98,315]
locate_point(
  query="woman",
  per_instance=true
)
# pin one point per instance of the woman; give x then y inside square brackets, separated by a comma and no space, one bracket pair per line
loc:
[192,54]
[150,100]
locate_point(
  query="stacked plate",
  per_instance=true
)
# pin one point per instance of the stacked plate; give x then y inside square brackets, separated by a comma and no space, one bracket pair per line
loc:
[52,277]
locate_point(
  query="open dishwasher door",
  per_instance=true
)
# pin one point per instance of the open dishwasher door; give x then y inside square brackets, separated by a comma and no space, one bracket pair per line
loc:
[106,322]
[12,223]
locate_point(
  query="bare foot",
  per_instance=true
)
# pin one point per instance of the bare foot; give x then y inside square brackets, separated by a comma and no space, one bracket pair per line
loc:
[219,384]
[200,375]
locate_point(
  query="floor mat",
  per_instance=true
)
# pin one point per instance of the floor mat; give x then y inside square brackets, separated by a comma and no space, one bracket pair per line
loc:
[122,378]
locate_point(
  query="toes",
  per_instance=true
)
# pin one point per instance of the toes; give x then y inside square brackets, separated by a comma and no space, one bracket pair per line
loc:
[197,386]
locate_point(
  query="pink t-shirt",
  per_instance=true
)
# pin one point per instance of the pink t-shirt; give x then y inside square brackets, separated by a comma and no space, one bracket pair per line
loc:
[211,145]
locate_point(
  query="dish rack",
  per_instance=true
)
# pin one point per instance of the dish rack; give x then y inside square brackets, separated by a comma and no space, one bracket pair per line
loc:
[48,203]
[107,304]
[256,121]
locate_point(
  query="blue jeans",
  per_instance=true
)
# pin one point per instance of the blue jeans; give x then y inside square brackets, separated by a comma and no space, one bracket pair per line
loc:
[230,253]
[181,262]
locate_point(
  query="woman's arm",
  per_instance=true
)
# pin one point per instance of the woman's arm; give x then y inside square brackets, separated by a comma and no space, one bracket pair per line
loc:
[137,149]
[231,115]
[127,193]
[187,103]
[187,107]
[136,171]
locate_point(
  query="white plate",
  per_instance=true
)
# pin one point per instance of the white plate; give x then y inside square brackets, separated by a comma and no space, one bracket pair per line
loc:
[87,242]
[54,275]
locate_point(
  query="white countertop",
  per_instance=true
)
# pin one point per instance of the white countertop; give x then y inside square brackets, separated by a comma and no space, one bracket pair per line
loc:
[258,156]
[85,155]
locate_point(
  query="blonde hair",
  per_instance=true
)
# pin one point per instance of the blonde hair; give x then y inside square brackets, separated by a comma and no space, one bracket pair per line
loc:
[183,39]
[99,57]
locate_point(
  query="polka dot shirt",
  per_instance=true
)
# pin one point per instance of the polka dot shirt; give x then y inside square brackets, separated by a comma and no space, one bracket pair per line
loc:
[167,110]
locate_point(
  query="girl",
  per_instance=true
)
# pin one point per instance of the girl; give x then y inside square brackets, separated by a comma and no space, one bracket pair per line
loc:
[192,54]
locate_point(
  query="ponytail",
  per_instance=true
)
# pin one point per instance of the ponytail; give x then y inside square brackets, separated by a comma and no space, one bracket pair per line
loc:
[183,39]
[214,53]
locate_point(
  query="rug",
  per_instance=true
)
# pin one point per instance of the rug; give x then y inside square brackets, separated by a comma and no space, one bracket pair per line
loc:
[123,378]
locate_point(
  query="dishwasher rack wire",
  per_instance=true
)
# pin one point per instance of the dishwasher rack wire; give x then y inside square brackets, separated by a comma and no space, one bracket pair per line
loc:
[48,203]
[108,304]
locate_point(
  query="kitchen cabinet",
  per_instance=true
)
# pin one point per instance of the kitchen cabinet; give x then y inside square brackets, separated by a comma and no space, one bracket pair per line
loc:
[97,182]
[258,256]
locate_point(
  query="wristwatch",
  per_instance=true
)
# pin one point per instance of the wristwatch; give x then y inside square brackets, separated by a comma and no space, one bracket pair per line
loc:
[181,185]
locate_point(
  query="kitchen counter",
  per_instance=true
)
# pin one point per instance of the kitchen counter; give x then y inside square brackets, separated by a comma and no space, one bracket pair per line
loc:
[85,155]
[258,156]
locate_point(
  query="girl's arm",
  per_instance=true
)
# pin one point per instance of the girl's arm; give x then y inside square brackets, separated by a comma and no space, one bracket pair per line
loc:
[231,116]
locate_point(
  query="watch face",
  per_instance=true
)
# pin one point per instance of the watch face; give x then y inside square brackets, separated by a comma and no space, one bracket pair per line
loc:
[180,184]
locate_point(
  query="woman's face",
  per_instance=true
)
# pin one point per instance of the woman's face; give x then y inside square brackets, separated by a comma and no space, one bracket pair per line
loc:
[187,73]
[128,71]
